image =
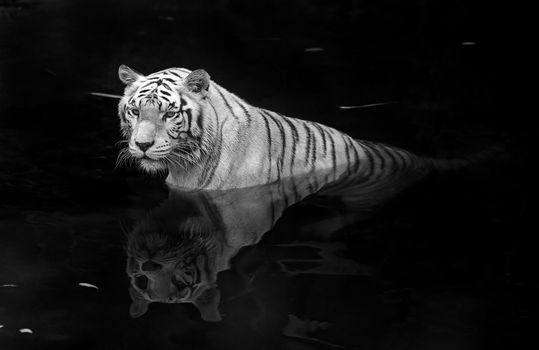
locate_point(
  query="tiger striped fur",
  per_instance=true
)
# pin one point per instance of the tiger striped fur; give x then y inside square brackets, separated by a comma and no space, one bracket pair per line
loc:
[208,138]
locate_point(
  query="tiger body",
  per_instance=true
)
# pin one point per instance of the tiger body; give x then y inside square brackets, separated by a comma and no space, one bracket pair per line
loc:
[234,144]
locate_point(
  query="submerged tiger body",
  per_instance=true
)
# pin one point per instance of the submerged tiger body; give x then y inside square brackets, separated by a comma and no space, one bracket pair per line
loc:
[209,138]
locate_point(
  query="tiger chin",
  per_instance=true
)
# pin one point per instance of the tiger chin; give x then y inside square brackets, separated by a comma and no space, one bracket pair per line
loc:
[172,263]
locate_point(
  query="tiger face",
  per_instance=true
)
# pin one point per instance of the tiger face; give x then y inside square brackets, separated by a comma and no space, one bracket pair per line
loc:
[161,118]
[169,266]
[174,281]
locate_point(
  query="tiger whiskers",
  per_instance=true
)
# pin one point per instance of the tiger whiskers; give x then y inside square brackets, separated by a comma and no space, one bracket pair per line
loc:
[173,162]
[121,142]
[183,161]
[125,158]
[186,155]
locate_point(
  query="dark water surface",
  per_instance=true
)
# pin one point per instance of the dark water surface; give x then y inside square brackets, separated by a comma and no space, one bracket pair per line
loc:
[446,265]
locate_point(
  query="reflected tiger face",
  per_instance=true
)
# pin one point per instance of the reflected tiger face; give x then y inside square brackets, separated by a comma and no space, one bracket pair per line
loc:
[161,118]
[168,265]
[176,279]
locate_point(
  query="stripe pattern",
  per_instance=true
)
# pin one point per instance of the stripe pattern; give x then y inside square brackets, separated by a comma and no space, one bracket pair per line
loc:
[286,147]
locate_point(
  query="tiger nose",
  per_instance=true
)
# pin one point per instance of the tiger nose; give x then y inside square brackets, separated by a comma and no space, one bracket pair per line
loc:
[144,145]
[150,266]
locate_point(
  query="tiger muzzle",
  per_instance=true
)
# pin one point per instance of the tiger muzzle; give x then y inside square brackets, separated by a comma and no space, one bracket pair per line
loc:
[145,135]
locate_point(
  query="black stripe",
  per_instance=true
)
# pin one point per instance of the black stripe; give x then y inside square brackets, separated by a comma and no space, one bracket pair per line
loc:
[308,142]
[199,122]
[356,156]
[323,134]
[394,164]
[384,161]
[333,153]
[226,103]
[189,117]
[377,168]
[283,143]
[122,116]
[175,74]
[295,138]
[243,108]
[314,150]
[166,85]
[269,144]
[164,92]
[404,162]
[313,159]
[347,152]
[204,178]
[355,161]
[147,87]
[376,150]
[370,157]
[183,102]
[217,156]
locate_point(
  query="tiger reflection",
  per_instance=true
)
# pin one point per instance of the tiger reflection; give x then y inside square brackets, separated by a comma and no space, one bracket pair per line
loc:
[171,259]
[177,250]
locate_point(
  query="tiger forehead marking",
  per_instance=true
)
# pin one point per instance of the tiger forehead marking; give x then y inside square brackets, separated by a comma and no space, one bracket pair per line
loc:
[158,89]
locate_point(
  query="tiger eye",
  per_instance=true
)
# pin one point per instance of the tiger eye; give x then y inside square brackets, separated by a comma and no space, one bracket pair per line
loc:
[170,114]
[135,111]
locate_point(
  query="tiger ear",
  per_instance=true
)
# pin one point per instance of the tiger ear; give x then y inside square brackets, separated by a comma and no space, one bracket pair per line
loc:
[127,75]
[198,81]
[139,306]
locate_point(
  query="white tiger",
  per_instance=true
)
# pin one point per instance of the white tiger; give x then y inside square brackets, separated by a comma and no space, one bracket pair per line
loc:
[180,121]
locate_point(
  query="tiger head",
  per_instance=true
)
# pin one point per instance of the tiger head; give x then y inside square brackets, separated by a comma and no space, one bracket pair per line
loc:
[162,118]
[172,265]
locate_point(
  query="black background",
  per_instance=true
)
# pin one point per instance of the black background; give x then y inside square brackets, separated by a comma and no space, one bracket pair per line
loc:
[458,252]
